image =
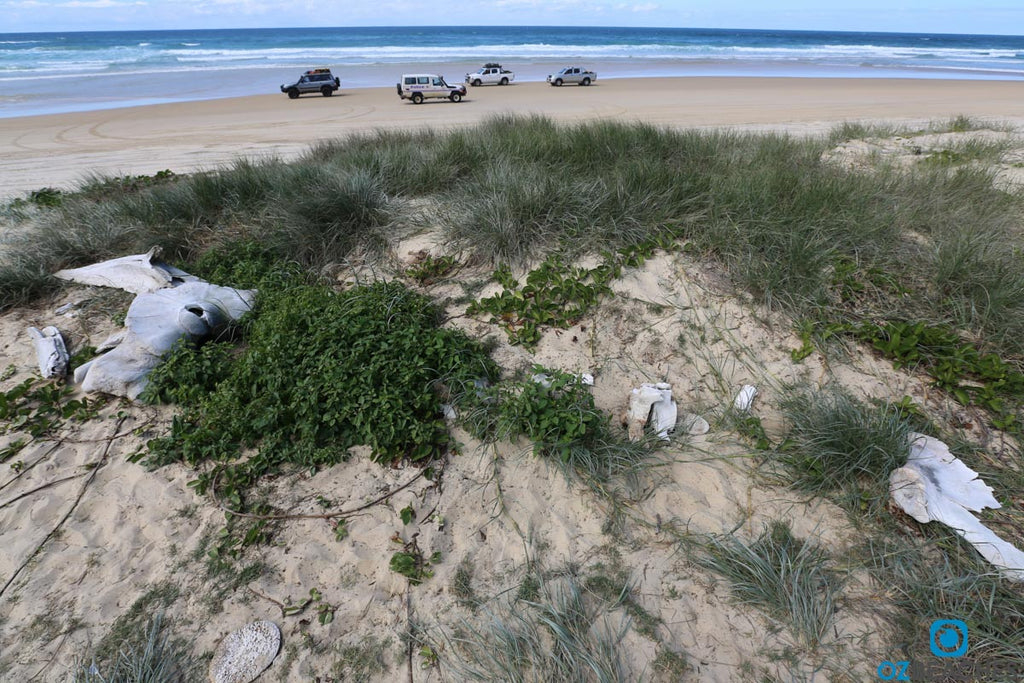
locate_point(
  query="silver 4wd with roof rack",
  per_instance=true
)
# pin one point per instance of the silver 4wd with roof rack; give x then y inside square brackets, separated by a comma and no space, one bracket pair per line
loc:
[490,73]
[314,80]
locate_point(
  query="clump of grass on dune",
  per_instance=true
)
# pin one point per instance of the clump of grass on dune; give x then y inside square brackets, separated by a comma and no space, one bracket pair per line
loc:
[307,213]
[787,577]
[840,447]
[152,658]
[554,629]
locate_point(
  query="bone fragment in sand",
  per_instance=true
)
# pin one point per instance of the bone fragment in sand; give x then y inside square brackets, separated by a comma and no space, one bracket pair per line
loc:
[155,322]
[745,398]
[50,350]
[138,274]
[648,399]
[935,486]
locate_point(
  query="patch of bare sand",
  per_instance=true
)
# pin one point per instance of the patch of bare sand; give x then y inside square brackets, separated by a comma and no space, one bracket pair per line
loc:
[998,149]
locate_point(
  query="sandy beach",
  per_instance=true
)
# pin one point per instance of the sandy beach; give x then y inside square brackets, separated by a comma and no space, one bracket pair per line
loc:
[59,150]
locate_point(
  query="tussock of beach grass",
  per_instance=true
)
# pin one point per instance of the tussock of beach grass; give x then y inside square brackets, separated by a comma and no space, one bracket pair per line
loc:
[788,577]
[838,445]
[149,657]
[427,382]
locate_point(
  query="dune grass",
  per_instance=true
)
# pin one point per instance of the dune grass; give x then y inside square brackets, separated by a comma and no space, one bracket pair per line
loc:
[765,205]
[789,578]
[938,576]
[840,447]
[304,213]
[553,629]
[152,657]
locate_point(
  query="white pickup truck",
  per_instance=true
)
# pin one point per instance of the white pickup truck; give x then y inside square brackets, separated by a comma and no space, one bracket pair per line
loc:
[490,73]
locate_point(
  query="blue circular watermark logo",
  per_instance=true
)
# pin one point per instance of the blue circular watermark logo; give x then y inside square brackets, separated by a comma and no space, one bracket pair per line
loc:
[948,638]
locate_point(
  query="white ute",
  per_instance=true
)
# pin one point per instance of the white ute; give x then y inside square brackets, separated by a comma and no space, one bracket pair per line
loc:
[492,74]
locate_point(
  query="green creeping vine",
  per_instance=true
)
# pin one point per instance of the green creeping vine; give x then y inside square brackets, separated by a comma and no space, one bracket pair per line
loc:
[37,409]
[970,375]
[556,294]
[554,414]
[410,562]
[320,372]
[431,269]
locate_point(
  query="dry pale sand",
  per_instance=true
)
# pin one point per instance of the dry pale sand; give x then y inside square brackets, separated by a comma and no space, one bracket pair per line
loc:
[78,553]
[59,150]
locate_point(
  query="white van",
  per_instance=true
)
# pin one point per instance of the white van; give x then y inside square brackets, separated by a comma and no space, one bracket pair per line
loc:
[418,87]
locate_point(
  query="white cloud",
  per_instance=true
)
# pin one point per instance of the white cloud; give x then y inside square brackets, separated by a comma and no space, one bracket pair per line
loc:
[98,4]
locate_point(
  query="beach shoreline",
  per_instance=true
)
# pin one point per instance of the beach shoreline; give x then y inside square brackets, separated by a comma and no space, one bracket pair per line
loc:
[61,150]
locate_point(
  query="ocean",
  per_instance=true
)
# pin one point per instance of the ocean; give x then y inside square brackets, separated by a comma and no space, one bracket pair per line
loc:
[61,72]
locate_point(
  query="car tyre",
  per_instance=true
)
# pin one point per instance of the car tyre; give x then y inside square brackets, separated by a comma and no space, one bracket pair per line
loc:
[558,82]
[455,97]
[327,91]
[504,81]
[417,98]
[293,93]
[585,81]
[476,81]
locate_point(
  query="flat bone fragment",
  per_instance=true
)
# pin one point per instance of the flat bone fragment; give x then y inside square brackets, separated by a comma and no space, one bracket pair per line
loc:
[50,350]
[244,654]
[693,424]
[745,398]
[936,486]
[155,322]
[138,274]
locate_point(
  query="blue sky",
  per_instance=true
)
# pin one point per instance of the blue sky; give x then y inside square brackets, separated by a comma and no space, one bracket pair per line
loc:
[926,16]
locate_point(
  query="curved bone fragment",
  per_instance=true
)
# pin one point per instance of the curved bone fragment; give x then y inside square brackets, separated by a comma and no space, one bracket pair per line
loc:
[138,274]
[936,486]
[50,350]
[745,398]
[155,322]
[666,412]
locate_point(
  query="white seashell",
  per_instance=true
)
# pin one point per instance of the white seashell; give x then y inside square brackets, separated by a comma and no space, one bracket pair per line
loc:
[246,653]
